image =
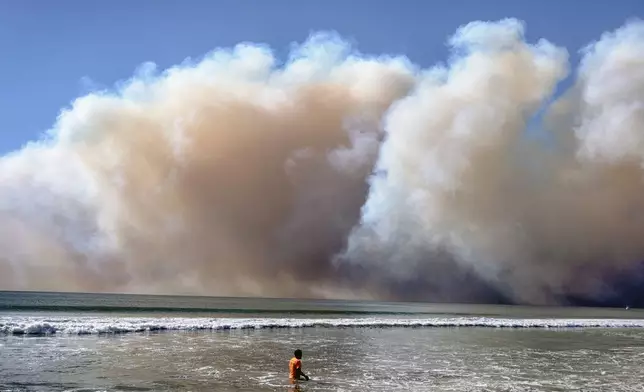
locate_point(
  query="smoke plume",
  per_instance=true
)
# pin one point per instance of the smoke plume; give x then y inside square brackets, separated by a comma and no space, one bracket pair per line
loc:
[337,174]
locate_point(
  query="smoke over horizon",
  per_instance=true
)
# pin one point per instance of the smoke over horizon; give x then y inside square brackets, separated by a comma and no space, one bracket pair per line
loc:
[337,174]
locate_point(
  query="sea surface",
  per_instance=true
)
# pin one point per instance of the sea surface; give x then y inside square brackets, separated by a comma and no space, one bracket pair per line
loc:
[108,342]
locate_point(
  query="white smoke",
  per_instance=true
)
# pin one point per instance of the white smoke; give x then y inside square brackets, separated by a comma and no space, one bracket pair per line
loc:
[537,221]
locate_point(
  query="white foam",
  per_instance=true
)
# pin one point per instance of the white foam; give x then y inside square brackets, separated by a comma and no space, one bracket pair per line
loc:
[31,325]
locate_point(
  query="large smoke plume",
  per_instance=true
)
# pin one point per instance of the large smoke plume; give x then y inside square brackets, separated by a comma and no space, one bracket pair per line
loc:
[338,174]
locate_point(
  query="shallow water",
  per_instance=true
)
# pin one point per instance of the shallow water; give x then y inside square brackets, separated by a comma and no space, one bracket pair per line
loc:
[338,359]
[77,342]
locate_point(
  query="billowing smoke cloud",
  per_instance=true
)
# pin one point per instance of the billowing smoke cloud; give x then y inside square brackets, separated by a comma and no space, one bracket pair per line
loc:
[540,221]
[229,176]
[342,175]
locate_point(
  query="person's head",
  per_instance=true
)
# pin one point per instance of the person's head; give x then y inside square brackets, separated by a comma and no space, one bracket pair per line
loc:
[298,354]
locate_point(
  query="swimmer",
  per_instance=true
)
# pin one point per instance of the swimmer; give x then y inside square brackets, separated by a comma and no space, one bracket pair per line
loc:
[295,367]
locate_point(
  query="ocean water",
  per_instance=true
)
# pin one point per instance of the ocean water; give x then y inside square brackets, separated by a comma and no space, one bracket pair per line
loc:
[97,342]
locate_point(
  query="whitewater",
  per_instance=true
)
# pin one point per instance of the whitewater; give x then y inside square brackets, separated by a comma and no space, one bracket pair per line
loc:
[115,342]
[48,325]
[90,351]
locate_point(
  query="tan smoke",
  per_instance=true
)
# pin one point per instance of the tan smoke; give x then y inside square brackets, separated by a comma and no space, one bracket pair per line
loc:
[231,176]
[342,175]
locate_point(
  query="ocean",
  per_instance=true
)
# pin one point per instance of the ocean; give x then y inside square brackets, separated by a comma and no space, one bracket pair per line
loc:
[113,342]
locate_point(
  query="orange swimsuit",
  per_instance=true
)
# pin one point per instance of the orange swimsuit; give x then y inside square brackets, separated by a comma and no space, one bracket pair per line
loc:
[293,365]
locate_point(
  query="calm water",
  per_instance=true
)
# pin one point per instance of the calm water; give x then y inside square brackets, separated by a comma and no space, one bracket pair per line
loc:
[62,343]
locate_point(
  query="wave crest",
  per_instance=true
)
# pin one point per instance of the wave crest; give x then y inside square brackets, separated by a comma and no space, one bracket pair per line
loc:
[38,326]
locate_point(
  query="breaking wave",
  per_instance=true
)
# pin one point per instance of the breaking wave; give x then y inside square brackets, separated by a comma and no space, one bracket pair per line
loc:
[38,326]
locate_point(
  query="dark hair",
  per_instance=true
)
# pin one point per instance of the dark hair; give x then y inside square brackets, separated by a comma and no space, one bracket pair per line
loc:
[298,353]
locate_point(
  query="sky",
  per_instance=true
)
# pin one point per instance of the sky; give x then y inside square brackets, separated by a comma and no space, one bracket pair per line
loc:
[54,52]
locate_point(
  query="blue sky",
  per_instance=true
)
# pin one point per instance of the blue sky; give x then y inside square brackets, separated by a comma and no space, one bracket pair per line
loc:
[50,48]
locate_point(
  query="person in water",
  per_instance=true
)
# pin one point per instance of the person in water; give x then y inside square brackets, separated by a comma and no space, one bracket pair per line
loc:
[295,367]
